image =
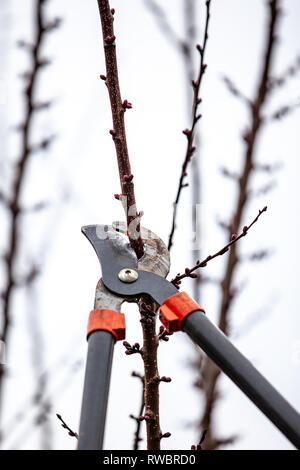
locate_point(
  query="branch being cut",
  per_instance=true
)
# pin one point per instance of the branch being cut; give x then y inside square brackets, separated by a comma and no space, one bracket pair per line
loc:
[151,376]
[151,379]
[148,320]
[118,133]
[190,133]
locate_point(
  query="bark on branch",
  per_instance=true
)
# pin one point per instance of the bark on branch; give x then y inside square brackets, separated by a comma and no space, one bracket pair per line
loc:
[148,320]
[118,132]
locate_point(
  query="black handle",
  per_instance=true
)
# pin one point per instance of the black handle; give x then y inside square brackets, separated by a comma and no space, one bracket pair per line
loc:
[95,392]
[216,345]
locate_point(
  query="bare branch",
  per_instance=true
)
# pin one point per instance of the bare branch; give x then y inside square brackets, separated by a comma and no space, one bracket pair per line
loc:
[202,439]
[283,112]
[38,207]
[4,200]
[118,133]
[189,272]
[235,91]
[258,255]
[163,334]
[137,437]
[164,25]
[29,404]
[65,426]
[190,133]
[267,167]
[14,205]
[229,174]
[29,278]
[134,349]
[151,382]
[43,145]
[290,72]
[263,190]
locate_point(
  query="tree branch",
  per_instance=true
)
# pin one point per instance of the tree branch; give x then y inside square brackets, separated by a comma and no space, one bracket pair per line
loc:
[118,132]
[151,377]
[65,426]
[189,272]
[290,72]
[164,25]
[137,419]
[190,133]
[235,91]
[13,204]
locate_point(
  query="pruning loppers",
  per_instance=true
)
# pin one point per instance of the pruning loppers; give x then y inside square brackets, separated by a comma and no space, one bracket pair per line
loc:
[126,278]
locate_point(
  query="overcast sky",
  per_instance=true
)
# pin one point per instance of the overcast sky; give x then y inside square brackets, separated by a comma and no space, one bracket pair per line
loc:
[79,178]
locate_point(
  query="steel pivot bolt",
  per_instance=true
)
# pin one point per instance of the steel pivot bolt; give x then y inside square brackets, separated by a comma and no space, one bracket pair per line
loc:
[128,275]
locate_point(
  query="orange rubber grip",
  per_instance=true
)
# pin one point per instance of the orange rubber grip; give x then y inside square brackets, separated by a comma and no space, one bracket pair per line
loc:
[107,320]
[175,309]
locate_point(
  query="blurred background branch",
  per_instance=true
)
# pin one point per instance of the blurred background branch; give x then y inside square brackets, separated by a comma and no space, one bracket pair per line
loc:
[209,371]
[12,202]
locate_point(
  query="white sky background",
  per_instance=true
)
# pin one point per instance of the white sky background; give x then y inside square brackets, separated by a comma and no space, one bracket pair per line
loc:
[79,177]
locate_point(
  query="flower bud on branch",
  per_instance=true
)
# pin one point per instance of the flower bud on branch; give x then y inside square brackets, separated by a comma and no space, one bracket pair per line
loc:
[165,435]
[135,349]
[201,264]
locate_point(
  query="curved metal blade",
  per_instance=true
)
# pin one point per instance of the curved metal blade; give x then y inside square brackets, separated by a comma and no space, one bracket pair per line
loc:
[112,248]
[114,253]
[156,258]
[104,298]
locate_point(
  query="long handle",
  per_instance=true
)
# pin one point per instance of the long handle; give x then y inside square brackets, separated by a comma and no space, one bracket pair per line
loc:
[95,392]
[105,327]
[243,374]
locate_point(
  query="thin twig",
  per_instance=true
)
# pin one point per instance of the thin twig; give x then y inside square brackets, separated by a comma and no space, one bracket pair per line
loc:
[118,133]
[29,405]
[283,112]
[191,16]
[185,48]
[62,387]
[190,133]
[290,72]
[189,272]
[65,426]
[164,25]
[137,437]
[235,91]
[202,439]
